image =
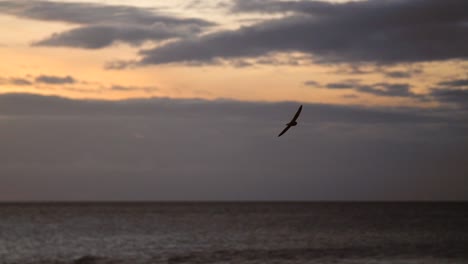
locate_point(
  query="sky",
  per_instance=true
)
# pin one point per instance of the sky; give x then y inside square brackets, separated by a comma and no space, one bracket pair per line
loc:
[183,100]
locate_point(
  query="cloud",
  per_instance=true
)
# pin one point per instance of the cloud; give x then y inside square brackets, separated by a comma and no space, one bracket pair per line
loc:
[122,88]
[20,81]
[387,89]
[341,85]
[120,64]
[311,83]
[452,92]
[15,81]
[350,96]
[96,37]
[271,6]
[455,83]
[165,149]
[356,69]
[408,72]
[40,79]
[49,79]
[37,105]
[457,97]
[91,13]
[419,31]
[398,74]
[70,83]
[103,25]
[378,89]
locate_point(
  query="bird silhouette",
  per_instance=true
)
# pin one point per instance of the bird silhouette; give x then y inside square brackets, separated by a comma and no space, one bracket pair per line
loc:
[292,122]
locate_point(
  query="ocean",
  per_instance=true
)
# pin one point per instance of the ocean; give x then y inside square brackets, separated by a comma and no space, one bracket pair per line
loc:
[183,232]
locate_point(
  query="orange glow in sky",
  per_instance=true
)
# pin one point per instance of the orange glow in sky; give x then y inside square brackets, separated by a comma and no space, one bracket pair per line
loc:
[226,79]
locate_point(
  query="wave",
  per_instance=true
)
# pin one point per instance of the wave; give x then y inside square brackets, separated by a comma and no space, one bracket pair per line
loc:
[399,253]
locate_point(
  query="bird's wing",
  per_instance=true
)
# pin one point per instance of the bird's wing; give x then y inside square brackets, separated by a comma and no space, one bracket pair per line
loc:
[297,114]
[284,131]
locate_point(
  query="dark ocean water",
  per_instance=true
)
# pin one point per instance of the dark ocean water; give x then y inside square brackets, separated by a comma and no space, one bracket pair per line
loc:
[177,233]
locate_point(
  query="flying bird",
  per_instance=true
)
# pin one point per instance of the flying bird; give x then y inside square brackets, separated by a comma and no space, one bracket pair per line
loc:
[292,122]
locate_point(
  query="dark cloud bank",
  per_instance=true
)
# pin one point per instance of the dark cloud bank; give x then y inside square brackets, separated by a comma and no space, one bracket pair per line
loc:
[374,31]
[166,149]
[382,32]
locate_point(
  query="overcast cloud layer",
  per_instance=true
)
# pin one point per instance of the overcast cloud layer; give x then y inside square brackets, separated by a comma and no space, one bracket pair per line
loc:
[55,148]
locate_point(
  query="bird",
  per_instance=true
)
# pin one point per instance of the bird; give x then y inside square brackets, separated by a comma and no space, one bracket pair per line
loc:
[292,122]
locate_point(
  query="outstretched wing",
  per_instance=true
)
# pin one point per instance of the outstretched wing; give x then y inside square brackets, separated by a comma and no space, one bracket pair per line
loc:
[284,131]
[297,114]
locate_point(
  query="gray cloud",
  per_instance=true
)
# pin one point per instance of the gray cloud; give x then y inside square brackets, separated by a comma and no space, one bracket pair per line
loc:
[34,105]
[420,30]
[20,81]
[455,83]
[133,88]
[96,37]
[387,89]
[157,149]
[49,79]
[379,89]
[398,74]
[457,97]
[409,72]
[341,85]
[74,85]
[452,92]
[103,25]
[306,7]
[356,69]
[91,13]
[120,64]
[311,83]
[15,81]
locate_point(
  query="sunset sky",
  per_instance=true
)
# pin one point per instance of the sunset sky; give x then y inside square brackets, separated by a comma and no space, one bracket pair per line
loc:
[390,52]
[376,69]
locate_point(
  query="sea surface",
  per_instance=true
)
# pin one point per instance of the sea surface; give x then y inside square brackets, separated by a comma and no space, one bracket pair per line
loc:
[179,233]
